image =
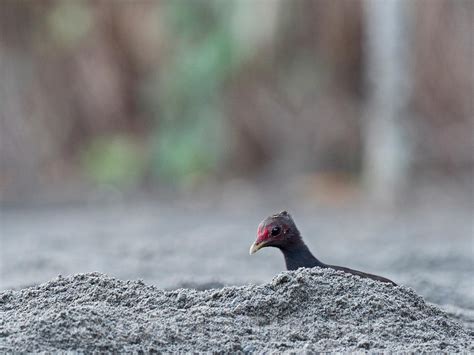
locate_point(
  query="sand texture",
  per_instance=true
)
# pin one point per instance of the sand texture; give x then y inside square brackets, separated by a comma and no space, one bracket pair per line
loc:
[305,310]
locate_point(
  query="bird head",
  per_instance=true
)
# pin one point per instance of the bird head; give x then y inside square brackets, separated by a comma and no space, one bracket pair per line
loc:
[277,230]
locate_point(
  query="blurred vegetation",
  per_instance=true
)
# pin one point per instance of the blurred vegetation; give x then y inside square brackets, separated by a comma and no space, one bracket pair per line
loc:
[69,22]
[187,143]
[174,92]
[114,160]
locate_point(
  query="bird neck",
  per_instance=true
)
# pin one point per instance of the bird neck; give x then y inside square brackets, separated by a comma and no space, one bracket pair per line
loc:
[297,255]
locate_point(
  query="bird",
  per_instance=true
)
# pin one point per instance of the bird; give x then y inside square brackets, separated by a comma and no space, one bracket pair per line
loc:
[279,231]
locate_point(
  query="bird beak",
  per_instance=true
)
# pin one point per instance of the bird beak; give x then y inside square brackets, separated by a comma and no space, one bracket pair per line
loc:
[255,247]
[262,239]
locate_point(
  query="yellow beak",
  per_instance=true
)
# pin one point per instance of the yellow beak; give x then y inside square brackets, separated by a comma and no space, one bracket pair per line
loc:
[255,247]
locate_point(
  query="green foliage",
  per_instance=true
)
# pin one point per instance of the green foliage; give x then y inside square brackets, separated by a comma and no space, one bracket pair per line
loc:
[69,21]
[114,160]
[189,89]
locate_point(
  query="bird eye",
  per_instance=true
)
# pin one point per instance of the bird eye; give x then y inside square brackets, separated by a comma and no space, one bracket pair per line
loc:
[275,231]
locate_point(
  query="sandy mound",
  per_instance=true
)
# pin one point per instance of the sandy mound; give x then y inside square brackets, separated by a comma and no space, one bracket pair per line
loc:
[315,309]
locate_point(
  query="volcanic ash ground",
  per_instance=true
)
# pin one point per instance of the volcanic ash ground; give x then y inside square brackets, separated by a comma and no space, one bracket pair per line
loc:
[305,310]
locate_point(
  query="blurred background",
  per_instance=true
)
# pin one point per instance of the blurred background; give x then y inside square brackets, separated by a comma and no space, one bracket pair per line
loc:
[140,138]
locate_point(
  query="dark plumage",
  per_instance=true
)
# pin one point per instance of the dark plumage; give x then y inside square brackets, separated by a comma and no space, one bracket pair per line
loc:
[280,231]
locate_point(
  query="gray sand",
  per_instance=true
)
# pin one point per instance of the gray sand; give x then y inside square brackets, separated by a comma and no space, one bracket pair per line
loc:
[312,310]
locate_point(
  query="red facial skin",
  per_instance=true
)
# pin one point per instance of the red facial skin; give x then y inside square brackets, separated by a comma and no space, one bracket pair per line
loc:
[276,231]
[263,234]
